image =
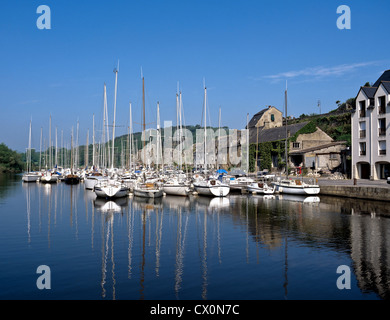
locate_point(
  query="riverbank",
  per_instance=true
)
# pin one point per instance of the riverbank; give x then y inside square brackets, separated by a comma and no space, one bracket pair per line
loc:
[364,189]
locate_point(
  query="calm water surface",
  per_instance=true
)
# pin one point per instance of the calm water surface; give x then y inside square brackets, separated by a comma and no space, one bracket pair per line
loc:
[239,247]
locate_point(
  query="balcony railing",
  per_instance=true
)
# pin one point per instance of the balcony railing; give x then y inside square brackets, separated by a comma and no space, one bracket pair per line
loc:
[382,152]
[362,153]
[362,133]
[382,131]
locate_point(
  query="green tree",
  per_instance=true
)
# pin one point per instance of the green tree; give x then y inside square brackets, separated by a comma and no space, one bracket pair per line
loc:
[10,160]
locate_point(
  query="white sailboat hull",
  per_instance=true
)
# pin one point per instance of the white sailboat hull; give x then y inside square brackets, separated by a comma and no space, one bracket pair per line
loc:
[111,191]
[255,188]
[299,190]
[177,190]
[218,190]
[90,182]
[145,193]
[49,178]
[30,177]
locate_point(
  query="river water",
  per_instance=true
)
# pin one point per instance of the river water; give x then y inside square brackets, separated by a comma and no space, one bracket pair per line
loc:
[242,247]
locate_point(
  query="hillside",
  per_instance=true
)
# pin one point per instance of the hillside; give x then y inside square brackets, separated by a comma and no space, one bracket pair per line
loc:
[336,123]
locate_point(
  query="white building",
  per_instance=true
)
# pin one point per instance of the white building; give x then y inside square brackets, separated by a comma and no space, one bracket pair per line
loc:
[371,131]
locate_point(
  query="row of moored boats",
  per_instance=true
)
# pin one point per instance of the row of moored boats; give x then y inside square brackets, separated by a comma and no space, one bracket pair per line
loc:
[151,184]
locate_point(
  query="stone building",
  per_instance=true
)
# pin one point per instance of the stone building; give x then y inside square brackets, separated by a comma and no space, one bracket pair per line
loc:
[267,118]
[315,150]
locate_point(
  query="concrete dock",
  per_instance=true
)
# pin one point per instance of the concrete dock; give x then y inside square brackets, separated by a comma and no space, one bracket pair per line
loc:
[364,189]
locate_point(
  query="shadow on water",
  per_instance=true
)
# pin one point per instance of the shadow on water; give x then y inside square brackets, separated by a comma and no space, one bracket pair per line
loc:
[8,183]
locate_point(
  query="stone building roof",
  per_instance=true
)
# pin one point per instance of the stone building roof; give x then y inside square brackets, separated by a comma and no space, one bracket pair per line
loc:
[274,134]
[320,147]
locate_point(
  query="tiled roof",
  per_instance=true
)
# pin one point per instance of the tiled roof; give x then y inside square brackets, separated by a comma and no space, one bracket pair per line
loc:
[256,118]
[274,134]
[384,77]
[323,146]
[369,91]
[386,84]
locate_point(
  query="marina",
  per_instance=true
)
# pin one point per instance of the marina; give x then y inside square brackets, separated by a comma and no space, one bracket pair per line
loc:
[195,155]
[193,247]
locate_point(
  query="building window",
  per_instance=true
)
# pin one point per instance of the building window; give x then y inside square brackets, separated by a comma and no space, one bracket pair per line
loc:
[382,148]
[382,126]
[296,145]
[333,156]
[362,127]
[382,105]
[362,147]
[272,117]
[362,109]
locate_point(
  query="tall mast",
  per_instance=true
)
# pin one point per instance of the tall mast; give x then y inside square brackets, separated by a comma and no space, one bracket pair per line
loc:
[285,146]
[77,146]
[247,143]
[56,154]
[93,140]
[180,132]
[40,152]
[113,128]
[62,149]
[131,139]
[28,158]
[158,136]
[106,149]
[50,143]
[205,129]
[219,136]
[71,152]
[86,150]
[143,113]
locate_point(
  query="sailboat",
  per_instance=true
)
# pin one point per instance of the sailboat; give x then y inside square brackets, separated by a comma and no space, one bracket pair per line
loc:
[146,189]
[111,188]
[29,176]
[174,186]
[261,188]
[50,176]
[178,184]
[91,179]
[290,186]
[71,178]
[209,187]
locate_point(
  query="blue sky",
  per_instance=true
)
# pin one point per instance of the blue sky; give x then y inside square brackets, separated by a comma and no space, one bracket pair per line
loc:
[245,51]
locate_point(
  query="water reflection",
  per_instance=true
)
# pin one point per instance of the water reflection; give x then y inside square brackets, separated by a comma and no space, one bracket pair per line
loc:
[107,234]
[370,242]
[110,206]
[186,247]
